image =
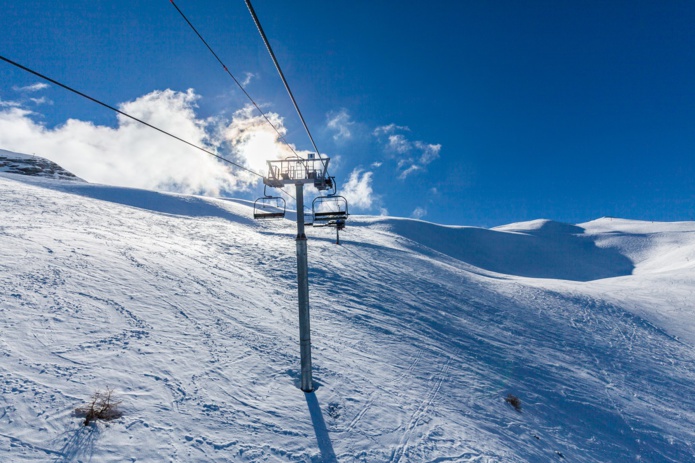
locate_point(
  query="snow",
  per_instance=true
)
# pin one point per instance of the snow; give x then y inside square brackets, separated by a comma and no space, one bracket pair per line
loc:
[544,249]
[186,306]
[26,164]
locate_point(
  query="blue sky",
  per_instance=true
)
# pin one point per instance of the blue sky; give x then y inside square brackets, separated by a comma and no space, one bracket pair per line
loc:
[467,113]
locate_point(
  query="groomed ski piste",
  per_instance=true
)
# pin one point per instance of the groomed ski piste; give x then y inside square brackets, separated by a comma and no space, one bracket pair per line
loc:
[186,307]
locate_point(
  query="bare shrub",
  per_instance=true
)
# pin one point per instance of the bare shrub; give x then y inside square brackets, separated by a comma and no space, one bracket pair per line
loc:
[514,401]
[101,406]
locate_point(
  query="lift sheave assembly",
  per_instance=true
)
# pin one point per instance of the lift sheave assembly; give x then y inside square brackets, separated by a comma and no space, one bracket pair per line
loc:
[327,210]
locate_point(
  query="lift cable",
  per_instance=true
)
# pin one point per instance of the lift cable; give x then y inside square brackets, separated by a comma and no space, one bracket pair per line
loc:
[236,81]
[66,87]
[282,76]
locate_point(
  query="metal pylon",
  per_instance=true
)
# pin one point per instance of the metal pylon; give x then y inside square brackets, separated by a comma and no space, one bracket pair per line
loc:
[303,290]
[300,171]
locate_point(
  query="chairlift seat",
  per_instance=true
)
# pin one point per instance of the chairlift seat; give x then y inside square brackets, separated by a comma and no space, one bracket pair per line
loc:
[268,215]
[269,207]
[330,215]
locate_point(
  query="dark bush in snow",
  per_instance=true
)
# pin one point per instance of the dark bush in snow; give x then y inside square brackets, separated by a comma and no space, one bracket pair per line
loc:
[514,401]
[102,406]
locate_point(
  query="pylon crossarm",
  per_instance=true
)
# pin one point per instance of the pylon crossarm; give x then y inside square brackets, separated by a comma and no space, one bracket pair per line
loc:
[296,171]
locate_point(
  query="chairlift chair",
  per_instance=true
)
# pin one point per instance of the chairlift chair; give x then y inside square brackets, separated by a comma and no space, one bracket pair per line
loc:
[331,210]
[269,207]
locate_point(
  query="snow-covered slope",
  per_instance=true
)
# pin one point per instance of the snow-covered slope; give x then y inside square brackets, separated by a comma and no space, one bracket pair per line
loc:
[186,307]
[539,249]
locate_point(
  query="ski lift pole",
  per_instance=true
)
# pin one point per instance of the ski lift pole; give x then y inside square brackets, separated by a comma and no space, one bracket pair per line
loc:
[299,171]
[303,290]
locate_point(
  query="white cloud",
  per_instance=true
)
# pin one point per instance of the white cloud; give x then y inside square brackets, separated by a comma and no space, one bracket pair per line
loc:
[253,141]
[412,169]
[40,101]
[419,213]
[429,152]
[358,189]
[341,124]
[389,129]
[31,88]
[249,76]
[336,162]
[25,98]
[399,144]
[411,156]
[129,154]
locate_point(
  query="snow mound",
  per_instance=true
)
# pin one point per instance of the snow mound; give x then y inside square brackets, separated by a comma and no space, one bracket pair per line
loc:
[537,249]
[653,247]
[26,164]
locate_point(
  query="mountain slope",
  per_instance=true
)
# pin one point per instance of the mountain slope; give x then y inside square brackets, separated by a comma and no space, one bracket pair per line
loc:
[186,307]
[25,164]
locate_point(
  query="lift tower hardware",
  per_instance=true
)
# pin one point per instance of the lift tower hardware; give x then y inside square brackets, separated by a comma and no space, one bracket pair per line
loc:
[299,171]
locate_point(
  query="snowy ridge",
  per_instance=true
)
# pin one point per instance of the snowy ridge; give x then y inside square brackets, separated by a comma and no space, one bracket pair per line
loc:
[186,307]
[25,164]
[546,249]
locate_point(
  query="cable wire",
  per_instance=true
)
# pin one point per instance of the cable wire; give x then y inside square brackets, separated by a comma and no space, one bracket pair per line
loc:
[84,95]
[53,81]
[236,81]
[282,76]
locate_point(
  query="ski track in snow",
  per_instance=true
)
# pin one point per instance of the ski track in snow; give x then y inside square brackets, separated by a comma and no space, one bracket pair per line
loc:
[192,319]
[420,412]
